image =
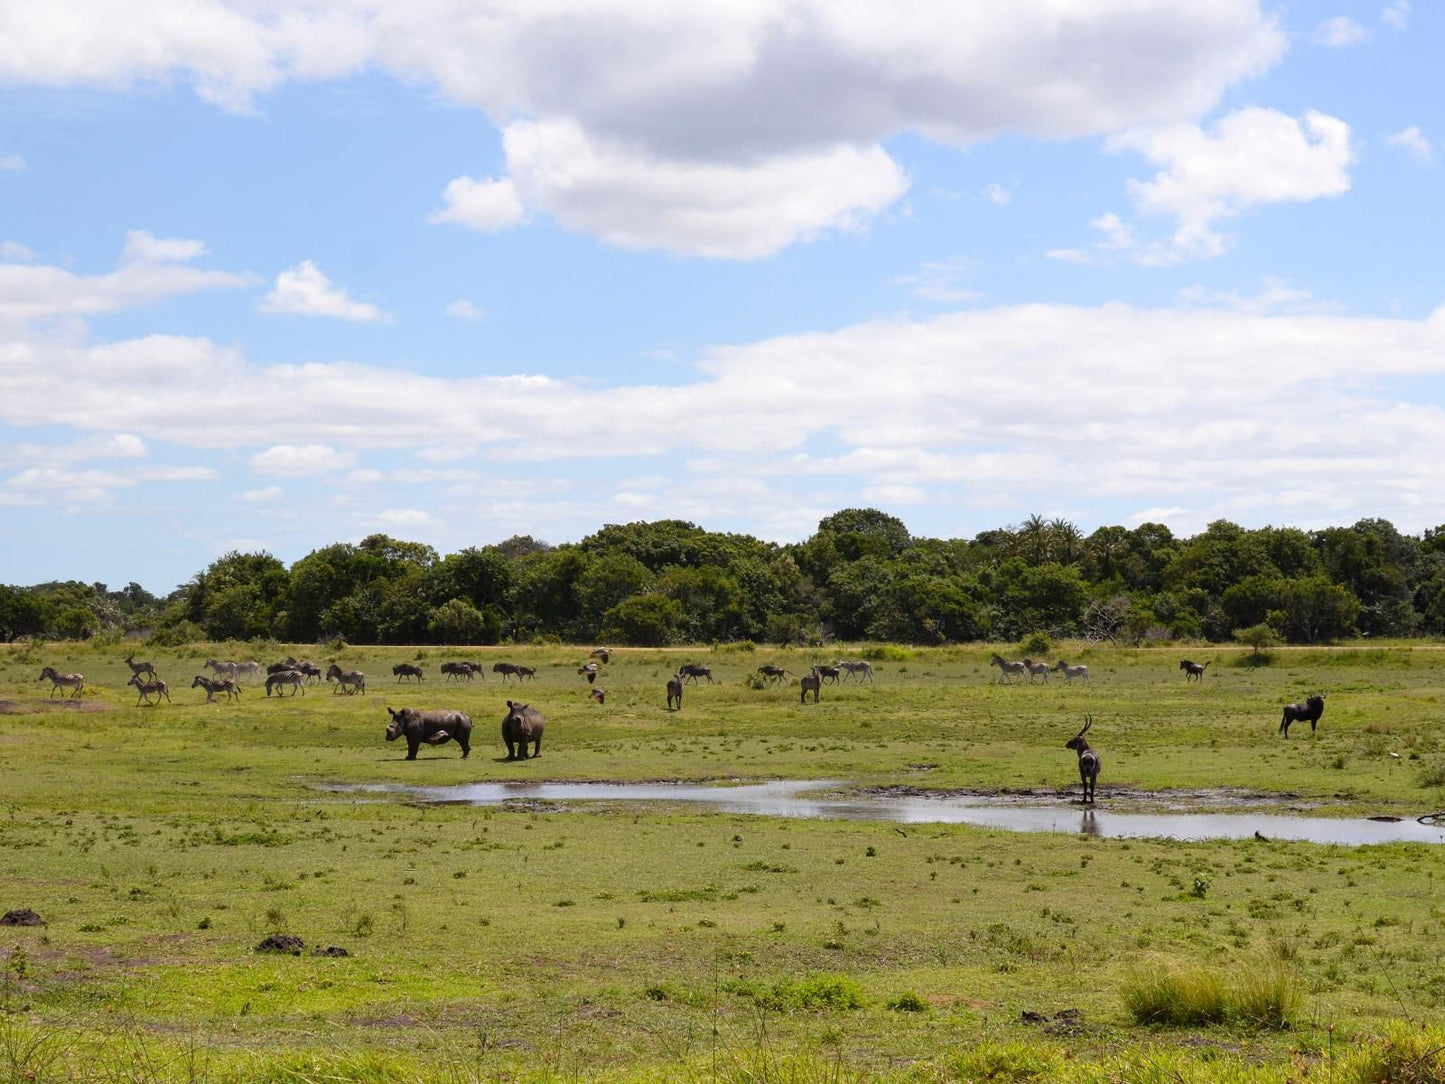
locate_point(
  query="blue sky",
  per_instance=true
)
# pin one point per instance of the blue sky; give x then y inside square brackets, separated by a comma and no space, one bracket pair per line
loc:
[276,276]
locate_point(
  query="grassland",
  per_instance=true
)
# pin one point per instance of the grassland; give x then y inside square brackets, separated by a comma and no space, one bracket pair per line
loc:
[530,942]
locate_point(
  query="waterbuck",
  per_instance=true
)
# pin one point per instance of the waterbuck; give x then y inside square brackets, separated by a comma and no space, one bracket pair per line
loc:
[674,692]
[61,680]
[1306,710]
[1088,760]
[810,683]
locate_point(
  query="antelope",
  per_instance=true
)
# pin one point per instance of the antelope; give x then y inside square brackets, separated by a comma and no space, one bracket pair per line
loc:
[1308,710]
[528,672]
[406,670]
[674,691]
[216,685]
[140,667]
[810,683]
[773,673]
[295,678]
[1071,672]
[694,671]
[59,680]
[826,672]
[1193,669]
[1007,670]
[1038,670]
[148,689]
[853,669]
[355,679]
[1088,760]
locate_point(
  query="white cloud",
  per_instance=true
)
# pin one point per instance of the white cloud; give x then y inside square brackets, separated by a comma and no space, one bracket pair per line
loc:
[487,205]
[301,460]
[1396,14]
[402,518]
[1274,296]
[997,194]
[12,163]
[62,485]
[304,290]
[142,247]
[1413,143]
[262,496]
[15,252]
[462,309]
[1339,32]
[943,280]
[1247,159]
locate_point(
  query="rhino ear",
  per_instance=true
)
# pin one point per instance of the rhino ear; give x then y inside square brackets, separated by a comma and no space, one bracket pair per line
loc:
[390,712]
[509,704]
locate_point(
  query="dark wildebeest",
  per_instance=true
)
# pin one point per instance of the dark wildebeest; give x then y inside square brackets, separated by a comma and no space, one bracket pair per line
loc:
[347,681]
[217,685]
[506,669]
[694,671]
[1088,760]
[1193,669]
[60,680]
[1306,710]
[523,724]
[773,673]
[457,671]
[433,727]
[828,673]
[674,692]
[528,672]
[477,669]
[310,669]
[810,683]
[139,667]
[406,670]
[295,678]
[148,689]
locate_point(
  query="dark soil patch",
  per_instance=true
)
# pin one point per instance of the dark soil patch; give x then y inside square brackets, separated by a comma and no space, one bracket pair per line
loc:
[331,950]
[23,917]
[282,943]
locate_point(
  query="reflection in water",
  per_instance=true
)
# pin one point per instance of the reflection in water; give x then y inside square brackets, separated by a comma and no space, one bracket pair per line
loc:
[790,798]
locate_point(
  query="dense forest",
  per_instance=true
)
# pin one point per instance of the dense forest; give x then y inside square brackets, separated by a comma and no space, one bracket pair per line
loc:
[861,576]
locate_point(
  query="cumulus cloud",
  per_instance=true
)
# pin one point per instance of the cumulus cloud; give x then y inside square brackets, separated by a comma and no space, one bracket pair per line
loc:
[1413,143]
[487,205]
[11,163]
[264,495]
[301,460]
[462,309]
[1396,14]
[304,290]
[943,280]
[1339,32]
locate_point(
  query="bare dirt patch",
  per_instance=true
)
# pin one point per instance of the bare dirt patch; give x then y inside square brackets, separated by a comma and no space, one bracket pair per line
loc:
[35,707]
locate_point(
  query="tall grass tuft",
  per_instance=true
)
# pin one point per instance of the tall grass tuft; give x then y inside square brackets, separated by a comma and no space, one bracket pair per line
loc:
[1406,1055]
[1250,995]
[1265,996]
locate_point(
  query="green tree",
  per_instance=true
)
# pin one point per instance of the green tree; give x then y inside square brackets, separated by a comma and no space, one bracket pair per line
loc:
[649,620]
[22,613]
[457,621]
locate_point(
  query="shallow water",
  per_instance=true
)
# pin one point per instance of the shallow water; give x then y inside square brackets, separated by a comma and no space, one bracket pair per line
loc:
[791,798]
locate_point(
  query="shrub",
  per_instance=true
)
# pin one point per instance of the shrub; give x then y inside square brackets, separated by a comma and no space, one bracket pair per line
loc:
[1008,1062]
[887,653]
[1406,1055]
[1036,643]
[908,1001]
[1191,996]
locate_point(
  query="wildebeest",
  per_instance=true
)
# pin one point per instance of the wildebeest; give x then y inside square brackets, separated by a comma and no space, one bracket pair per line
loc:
[506,669]
[1071,672]
[477,669]
[294,678]
[1193,669]
[310,669]
[773,673]
[522,724]
[1007,670]
[457,670]
[853,669]
[60,680]
[674,692]
[434,727]
[347,681]
[148,689]
[1089,762]
[216,685]
[139,667]
[528,672]
[406,670]
[827,673]
[694,671]
[810,683]
[1309,710]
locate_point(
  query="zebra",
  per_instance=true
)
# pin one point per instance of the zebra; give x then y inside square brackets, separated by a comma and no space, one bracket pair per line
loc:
[853,669]
[406,670]
[60,680]
[222,669]
[353,678]
[148,689]
[1071,672]
[250,667]
[1007,670]
[1089,762]
[1038,670]
[216,685]
[140,667]
[295,678]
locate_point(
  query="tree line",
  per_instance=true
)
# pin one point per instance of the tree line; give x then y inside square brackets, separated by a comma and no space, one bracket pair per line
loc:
[861,576]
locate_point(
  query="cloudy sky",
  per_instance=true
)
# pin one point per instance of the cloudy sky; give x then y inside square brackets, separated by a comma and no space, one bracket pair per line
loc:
[275,275]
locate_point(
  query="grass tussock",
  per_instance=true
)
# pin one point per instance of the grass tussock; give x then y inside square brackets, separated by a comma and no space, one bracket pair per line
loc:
[1405,1055]
[1256,996]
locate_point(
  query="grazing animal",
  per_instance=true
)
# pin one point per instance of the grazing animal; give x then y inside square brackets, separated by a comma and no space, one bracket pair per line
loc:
[249,667]
[310,669]
[407,670]
[222,669]
[433,727]
[853,669]
[148,689]
[1007,670]
[693,671]
[277,667]
[810,683]
[140,667]
[773,673]
[674,692]
[349,682]
[826,673]
[61,680]
[1038,670]
[216,685]
[1306,710]
[477,669]
[602,654]
[1193,669]
[1071,672]
[457,670]
[506,669]
[294,678]
[523,724]
[528,672]
[1088,760]
[599,695]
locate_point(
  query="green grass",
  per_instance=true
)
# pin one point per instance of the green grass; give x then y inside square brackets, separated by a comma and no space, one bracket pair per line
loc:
[531,942]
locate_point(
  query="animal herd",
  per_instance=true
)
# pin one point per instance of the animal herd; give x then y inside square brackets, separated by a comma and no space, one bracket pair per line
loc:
[522,726]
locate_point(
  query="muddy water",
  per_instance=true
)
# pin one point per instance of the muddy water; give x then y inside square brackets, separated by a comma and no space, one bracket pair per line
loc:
[797,798]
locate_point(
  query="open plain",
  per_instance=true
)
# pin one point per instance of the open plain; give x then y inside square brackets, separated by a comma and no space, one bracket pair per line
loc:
[534,940]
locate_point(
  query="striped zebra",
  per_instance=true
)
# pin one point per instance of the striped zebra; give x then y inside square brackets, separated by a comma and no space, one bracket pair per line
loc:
[347,681]
[1071,672]
[295,678]
[1038,670]
[1007,670]
[62,680]
[216,685]
[148,689]
[853,669]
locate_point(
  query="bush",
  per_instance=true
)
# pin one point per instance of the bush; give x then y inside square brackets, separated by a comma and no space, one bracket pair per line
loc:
[908,1001]
[887,653]
[1406,1055]
[178,635]
[1036,643]
[1192,996]
[815,994]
